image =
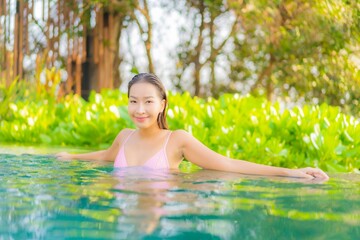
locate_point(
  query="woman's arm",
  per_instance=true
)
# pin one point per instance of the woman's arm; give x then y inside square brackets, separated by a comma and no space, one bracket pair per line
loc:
[196,152]
[106,155]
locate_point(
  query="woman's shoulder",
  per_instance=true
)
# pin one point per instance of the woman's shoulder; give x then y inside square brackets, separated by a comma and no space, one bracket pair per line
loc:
[123,134]
[125,131]
[181,138]
[180,134]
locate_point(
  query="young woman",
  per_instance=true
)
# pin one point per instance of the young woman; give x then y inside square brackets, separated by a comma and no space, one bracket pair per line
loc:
[154,146]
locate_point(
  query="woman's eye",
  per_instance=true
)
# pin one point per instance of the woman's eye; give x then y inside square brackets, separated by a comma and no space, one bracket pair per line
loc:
[149,101]
[132,101]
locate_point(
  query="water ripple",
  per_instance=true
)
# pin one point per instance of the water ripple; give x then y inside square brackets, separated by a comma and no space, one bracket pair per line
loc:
[43,198]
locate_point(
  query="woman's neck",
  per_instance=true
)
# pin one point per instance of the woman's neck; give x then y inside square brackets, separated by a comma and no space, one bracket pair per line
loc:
[149,132]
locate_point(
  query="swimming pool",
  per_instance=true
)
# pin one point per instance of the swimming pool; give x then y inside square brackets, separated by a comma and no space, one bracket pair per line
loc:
[44,198]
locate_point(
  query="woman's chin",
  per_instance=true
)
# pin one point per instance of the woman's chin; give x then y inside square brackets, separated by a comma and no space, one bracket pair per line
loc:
[141,124]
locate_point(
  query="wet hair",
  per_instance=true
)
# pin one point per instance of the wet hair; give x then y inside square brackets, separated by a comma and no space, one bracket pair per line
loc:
[155,81]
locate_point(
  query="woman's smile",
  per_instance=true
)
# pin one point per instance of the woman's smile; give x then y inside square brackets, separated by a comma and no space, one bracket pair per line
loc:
[140,119]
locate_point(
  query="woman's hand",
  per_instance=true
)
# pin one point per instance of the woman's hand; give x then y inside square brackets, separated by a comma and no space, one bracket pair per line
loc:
[309,173]
[64,156]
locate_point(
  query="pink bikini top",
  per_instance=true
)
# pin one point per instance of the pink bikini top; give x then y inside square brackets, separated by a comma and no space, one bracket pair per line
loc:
[158,161]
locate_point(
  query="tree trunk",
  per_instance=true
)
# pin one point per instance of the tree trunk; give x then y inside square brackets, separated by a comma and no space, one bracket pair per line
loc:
[212,61]
[101,68]
[117,60]
[197,53]
[148,31]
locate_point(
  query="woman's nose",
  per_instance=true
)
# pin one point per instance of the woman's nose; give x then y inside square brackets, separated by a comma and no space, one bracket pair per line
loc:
[140,108]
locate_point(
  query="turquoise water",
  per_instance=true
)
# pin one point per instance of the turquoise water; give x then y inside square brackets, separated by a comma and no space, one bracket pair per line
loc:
[44,198]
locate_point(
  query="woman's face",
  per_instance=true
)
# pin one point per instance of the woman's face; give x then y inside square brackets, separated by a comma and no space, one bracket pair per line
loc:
[145,104]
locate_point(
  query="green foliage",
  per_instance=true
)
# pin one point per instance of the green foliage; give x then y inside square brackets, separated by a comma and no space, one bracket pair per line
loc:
[254,129]
[240,127]
[299,49]
[72,121]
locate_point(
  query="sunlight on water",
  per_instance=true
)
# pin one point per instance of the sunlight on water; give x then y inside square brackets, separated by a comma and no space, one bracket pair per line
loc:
[44,198]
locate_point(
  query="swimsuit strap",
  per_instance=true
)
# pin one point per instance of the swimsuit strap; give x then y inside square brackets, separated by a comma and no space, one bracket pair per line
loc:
[128,136]
[132,132]
[167,140]
[120,160]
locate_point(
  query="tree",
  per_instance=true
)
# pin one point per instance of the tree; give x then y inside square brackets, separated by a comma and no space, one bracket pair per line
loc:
[298,49]
[141,9]
[203,42]
[89,29]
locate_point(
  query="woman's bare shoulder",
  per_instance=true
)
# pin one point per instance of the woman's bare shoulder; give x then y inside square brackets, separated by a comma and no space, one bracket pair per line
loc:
[179,132]
[126,131]
[181,135]
[123,134]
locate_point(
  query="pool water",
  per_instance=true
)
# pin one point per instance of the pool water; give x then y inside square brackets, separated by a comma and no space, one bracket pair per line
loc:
[44,198]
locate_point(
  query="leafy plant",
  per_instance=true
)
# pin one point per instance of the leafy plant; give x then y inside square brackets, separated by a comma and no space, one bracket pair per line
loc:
[241,127]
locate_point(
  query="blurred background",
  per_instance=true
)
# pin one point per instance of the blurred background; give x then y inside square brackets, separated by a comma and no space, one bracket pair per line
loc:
[295,51]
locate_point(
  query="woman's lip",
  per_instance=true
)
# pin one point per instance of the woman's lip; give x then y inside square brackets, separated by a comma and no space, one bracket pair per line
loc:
[140,118]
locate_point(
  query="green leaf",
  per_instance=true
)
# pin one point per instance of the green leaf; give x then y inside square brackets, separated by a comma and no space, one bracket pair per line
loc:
[45,138]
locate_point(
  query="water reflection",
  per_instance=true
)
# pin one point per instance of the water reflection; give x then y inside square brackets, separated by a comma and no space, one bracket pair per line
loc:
[43,197]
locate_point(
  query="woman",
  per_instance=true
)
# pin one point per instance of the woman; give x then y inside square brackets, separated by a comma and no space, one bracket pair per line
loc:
[154,146]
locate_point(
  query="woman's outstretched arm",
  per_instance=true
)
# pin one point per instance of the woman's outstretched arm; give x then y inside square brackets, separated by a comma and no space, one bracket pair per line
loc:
[106,155]
[196,152]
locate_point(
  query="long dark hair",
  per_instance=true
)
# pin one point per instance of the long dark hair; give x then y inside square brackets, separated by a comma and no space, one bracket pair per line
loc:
[155,81]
